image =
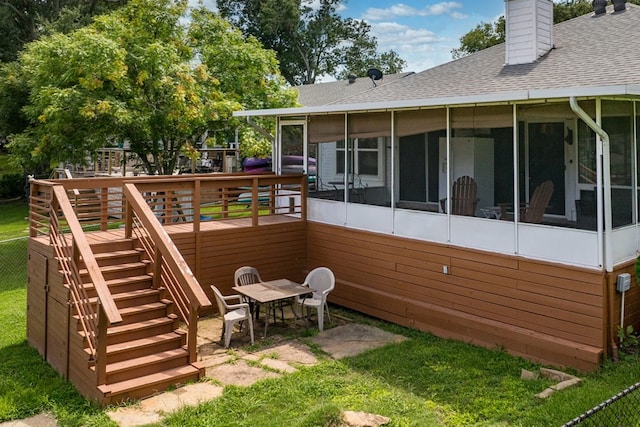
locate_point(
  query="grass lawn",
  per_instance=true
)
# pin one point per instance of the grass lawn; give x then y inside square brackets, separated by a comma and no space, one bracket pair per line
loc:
[424,381]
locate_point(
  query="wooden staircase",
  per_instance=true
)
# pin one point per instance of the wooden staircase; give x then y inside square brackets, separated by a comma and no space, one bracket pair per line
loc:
[146,352]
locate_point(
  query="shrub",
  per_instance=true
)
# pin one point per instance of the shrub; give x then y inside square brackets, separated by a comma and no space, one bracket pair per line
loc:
[11,185]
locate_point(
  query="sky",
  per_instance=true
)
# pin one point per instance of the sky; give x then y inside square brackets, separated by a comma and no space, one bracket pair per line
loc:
[422,32]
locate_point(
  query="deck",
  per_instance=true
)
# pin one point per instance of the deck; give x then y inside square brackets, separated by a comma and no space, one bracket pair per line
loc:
[120,270]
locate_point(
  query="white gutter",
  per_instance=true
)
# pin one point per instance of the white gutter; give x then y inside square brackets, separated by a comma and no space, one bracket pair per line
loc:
[499,97]
[605,252]
[448,203]
[516,175]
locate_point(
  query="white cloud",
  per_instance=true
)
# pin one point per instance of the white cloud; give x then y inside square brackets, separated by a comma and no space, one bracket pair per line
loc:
[420,47]
[402,10]
[393,33]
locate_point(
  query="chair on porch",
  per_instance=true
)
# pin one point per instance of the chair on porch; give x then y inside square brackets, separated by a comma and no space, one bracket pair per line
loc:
[538,203]
[232,314]
[463,197]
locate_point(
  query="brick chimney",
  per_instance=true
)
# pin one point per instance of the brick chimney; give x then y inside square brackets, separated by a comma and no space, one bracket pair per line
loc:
[529,30]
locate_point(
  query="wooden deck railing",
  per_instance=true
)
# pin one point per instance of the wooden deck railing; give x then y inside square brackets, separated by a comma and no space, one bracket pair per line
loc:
[69,252]
[144,206]
[170,270]
[187,199]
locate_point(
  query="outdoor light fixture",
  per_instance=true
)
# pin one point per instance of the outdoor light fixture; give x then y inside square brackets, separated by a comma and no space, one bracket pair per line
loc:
[599,6]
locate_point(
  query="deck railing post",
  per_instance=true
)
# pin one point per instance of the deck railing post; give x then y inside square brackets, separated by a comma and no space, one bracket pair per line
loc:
[304,193]
[195,202]
[224,191]
[255,201]
[101,351]
[157,268]
[128,220]
[53,213]
[104,208]
[192,336]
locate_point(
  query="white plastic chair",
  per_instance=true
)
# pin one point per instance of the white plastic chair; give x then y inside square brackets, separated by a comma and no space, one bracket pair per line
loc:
[321,281]
[248,275]
[232,314]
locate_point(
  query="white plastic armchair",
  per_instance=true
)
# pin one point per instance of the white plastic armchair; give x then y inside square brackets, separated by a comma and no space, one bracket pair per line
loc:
[232,314]
[248,275]
[321,281]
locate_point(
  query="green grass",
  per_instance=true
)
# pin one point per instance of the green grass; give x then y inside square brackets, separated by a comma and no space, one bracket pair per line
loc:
[235,210]
[28,385]
[13,221]
[424,381]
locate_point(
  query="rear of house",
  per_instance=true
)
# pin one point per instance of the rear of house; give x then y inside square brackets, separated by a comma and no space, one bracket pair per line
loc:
[493,200]
[554,107]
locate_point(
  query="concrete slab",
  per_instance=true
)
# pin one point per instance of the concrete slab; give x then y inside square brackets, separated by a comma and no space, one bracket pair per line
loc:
[151,410]
[294,352]
[352,339]
[238,373]
[41,420]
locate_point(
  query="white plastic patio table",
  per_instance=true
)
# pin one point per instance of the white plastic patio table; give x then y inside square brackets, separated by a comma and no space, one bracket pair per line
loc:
[271,291]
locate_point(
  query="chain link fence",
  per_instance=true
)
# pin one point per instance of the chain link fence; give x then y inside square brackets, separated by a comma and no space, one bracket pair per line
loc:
[13,264]
[620,410]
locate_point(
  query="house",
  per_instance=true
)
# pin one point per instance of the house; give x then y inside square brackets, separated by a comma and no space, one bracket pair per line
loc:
[491,200]
[556,108]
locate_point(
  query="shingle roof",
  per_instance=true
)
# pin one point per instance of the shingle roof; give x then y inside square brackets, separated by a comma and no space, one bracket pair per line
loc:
[330,92]
[592,56]
[589,51]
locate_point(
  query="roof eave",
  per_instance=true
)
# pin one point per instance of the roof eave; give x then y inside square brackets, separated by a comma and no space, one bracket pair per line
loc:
[491,98]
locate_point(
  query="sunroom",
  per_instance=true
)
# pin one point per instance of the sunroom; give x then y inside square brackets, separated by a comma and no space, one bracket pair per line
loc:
[399,167]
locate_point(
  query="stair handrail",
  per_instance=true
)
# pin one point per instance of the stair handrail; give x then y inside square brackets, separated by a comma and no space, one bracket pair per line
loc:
[170,268]
[69,255]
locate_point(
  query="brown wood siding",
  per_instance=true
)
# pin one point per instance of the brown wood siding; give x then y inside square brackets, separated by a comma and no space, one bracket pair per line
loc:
[276,250]
[37,302]
[547,312]
[632,299]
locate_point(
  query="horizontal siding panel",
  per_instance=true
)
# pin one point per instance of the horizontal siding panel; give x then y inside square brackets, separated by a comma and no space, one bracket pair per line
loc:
[558,303]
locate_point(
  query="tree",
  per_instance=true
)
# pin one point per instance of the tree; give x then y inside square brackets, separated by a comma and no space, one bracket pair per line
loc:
[310,41]
[23,21]
[489,34]
[139,76]
[481,37]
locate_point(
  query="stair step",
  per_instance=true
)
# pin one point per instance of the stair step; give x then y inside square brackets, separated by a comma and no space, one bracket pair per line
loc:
[146,365]
[144,346]
[136,297]
[132,298]
[123,284]
[111,245]
[139,330]
[117,257]
[110,272]
[149,384]
[143,312]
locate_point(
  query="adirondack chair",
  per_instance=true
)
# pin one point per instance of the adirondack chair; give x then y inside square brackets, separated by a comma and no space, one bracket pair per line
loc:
[540,198]
[463,198]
